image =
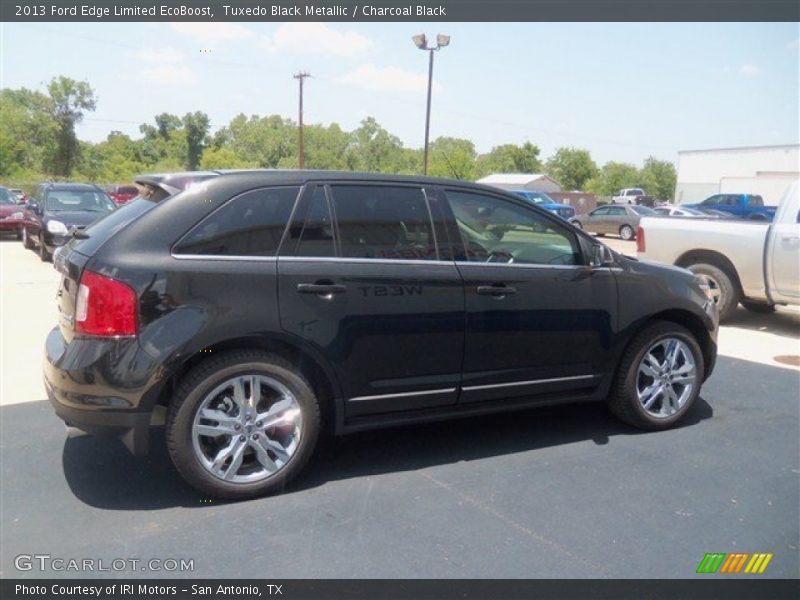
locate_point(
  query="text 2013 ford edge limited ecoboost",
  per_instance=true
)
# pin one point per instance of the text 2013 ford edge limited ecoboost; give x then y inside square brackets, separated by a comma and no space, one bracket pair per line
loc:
[261,307]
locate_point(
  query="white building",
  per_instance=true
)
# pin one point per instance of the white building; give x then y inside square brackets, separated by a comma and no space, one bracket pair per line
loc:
[535,182]
[763,170]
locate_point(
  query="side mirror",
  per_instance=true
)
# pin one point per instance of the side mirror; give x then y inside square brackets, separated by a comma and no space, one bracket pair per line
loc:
[601,256]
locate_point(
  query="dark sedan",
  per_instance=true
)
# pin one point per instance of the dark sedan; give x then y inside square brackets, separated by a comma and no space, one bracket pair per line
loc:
[59,208]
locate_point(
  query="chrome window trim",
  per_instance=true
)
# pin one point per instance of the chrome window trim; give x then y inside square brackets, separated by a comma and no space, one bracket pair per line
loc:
[530,382]
[522,265]
[224,257]
[343,259]
[402,395]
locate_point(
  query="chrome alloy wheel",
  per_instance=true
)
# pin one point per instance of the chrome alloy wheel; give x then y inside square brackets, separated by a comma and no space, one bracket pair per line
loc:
[247,429]
[666,377]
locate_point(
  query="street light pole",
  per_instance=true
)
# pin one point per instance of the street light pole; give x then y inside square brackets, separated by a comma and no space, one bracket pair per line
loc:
[421,41]
[428,113]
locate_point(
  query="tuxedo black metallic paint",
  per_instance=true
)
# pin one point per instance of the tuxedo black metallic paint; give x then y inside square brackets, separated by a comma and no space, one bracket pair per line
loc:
[416,330]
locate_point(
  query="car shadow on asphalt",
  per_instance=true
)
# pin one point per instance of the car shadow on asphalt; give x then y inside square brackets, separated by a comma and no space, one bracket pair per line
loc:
[102,474]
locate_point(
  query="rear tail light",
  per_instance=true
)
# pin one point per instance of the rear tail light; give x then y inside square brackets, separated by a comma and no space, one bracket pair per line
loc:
[105,307]
[640,245]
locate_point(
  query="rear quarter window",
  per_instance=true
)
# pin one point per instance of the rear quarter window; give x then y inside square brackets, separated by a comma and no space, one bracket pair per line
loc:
[250,224]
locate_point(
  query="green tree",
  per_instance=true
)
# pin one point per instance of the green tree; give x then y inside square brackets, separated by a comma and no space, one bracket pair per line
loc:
[571,167]
[70,99]
[373,149]
[452,157]
[224,158]
[510,158]
[659,178]
[27,132]
[613,177]
[196,127]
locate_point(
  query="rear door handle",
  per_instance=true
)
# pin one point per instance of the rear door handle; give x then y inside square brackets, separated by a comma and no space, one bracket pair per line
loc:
[321,289]
[496,290]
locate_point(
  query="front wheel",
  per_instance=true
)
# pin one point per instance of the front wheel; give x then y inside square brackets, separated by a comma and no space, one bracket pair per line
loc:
[658,378]
[242,425]
[626,232]
[44,255]
[27,242]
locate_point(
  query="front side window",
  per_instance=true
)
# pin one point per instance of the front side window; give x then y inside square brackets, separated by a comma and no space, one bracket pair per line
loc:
[495,230]
[248,225]
[383,222]
[712,201]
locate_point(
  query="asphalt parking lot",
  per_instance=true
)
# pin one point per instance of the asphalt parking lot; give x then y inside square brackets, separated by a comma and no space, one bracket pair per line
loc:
[553,492]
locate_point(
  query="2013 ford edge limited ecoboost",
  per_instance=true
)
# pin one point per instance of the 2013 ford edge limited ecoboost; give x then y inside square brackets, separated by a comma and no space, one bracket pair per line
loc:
[259,308]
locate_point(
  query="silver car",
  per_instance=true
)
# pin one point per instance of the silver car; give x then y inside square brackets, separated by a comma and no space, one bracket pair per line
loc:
[615,219]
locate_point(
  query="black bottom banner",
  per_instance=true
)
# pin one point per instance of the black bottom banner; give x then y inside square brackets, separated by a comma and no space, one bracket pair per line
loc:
[399,589]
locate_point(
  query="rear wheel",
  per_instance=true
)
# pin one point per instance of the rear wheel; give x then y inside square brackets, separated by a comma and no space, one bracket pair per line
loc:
[27,242]
[724,291]
[659,377]
[758,307]
[242,425]
[626,232]
[19,233]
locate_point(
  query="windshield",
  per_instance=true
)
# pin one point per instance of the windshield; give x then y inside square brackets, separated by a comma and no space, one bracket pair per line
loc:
[5,197]
[644,211]
[535,197]
[78,200]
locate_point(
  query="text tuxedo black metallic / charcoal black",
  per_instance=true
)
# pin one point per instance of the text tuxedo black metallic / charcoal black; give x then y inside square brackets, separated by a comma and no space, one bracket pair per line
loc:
[258,307]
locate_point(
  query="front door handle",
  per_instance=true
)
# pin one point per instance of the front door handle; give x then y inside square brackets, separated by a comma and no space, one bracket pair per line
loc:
[498,291]
[320,289]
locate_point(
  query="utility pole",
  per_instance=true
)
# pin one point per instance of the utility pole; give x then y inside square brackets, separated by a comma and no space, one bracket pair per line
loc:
[301,77]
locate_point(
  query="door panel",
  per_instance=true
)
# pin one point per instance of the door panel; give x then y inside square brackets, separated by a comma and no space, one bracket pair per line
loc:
[784,262]
[533,325]
[392,327]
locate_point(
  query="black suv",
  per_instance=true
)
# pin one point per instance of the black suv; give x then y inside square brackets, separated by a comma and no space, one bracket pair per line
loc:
[58,209]
[259,307]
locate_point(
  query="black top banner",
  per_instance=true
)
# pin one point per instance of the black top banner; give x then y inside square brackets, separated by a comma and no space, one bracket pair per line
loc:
[399,10]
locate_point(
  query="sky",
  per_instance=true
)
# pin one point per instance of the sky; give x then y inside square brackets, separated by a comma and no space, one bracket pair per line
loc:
[624,91]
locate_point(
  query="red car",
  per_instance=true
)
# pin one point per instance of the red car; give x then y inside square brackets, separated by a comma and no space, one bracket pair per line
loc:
[121,194]
[10,214]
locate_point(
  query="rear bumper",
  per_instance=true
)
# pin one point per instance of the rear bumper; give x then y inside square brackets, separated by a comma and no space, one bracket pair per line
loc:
[10,224]
[104,387]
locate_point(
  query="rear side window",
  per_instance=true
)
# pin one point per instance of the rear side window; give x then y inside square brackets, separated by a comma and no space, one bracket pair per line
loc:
[248,225]
[384,222]
[756,201]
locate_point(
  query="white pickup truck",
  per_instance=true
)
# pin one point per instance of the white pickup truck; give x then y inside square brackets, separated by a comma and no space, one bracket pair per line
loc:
[753,263]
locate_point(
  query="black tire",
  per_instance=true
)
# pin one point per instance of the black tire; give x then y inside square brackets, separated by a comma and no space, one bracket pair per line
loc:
[44,255]
[190,394]
[599,235]
[627,233]
[19,233]
[729,293]
[26,239]
[758,307]
[623,400]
